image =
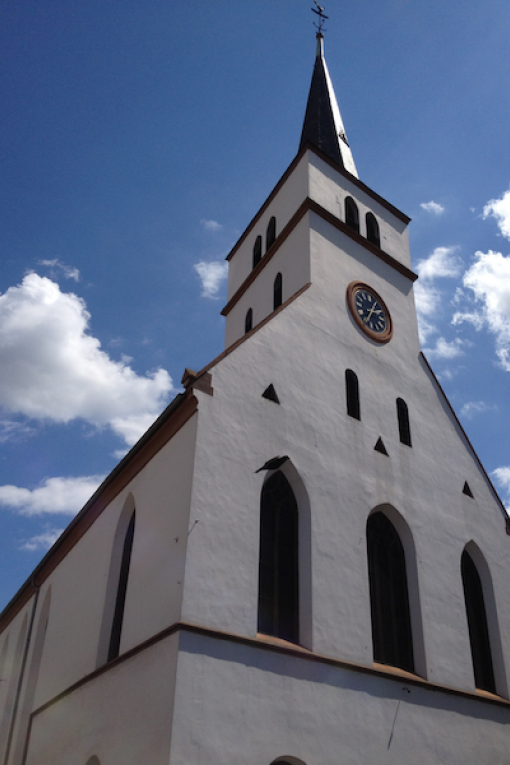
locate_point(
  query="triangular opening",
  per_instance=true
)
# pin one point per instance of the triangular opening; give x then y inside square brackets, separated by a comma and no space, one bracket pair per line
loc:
[271,394]
[380,447]
[466,490]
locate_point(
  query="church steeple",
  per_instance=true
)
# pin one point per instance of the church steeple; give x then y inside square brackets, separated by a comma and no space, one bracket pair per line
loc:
[323,126]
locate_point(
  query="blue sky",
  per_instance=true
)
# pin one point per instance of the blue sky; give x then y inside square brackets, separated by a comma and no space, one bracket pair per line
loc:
[137,140]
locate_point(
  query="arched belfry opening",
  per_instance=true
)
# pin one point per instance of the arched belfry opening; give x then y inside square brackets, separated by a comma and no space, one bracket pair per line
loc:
[392,636]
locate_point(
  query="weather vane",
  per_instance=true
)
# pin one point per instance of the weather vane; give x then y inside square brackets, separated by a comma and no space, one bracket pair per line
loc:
[322,16]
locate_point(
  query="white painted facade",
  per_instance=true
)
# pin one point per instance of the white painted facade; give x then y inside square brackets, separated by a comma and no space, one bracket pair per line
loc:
[194,682]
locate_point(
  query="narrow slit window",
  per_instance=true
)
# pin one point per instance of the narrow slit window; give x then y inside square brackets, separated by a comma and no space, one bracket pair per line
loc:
[270,233]
[389,598]
[248,322]
[352,394]
[278,561]
[351,214]
[257,251]
[277,291]
[404,427]
[373,235]
[477,625]
[120,601]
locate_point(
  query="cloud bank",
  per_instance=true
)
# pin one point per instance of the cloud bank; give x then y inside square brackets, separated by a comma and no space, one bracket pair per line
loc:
[212,276]
[56,496]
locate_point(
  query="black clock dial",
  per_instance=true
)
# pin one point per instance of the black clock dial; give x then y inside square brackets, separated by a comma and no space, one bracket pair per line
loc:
[370,311]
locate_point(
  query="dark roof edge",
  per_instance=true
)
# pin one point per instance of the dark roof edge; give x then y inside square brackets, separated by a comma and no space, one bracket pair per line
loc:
[472,448]
[310,147]
[39,575]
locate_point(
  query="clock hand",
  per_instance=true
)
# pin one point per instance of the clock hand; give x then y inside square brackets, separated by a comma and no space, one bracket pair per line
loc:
[369,315]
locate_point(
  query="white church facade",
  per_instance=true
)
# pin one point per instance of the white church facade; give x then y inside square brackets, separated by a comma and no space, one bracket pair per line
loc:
[303,560]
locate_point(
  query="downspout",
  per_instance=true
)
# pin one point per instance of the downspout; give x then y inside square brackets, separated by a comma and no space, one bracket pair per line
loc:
[22,673]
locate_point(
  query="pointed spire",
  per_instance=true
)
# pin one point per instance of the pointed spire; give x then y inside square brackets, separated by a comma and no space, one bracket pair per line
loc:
[323,126]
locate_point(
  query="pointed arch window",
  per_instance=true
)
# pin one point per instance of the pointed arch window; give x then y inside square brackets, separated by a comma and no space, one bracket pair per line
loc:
[120,601]
[248,322]
[477,625]
[271,233]
[352,394]
[277,291]
[278,561]
[389,598]
[404,427]
[257,251]
[373,235]
[351,214]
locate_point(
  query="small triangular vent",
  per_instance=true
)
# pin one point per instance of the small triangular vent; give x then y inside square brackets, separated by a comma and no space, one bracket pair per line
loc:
[271,394]
[466,490]
[380,447]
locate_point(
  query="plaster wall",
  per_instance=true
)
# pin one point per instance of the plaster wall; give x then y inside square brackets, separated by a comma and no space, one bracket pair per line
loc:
[293,192]
[292,260]
[12,646]
[276,706]
[304,351]
[128,714]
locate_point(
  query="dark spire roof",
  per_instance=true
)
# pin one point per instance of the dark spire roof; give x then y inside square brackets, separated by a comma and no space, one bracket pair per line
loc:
[323,125]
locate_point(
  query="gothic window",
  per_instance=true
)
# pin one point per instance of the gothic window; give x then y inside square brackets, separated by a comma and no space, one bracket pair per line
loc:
[477,625]
[389,599]
[277,291]
[352,394]
[404,428]
[120,601]
[373,229]
[278,562]
[257,251]
[270,233]
[248,322]
[351,214]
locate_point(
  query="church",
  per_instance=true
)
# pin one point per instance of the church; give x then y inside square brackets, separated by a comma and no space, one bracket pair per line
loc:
[303,561]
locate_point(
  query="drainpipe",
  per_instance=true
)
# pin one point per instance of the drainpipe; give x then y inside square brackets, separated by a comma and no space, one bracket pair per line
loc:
[22,672]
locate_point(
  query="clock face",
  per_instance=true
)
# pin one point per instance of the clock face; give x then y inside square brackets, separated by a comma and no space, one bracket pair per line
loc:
[369,312]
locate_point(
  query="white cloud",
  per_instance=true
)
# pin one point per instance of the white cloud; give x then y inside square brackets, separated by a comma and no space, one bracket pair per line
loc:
[442,263]
[211,225]
[70,272]
[500,210]
[63,496]
[446,350]
[41,541]
[211,276]
[489,280]
[502,479]
[433,207]
[52,369]
[472,408]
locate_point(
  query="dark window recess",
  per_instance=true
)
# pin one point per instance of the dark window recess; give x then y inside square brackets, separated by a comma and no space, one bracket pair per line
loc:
[271,394]
[477,624]
[120,601]
[257,251]
[277,291]
[389,599]
[278,564]
[352,393]
[467,490]
[380,447]
[351,214]
[270,233]
[248,322]
[373,235]
[404,428]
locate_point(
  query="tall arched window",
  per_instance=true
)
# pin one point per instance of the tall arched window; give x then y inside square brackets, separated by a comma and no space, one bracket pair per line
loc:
[257,251]
[120,601]
[248,321]
[352,393]
[404,428]
[373,235]
[278,563]
[277,291]
[477,624]
[351,214]
[389,599]
[270,233]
